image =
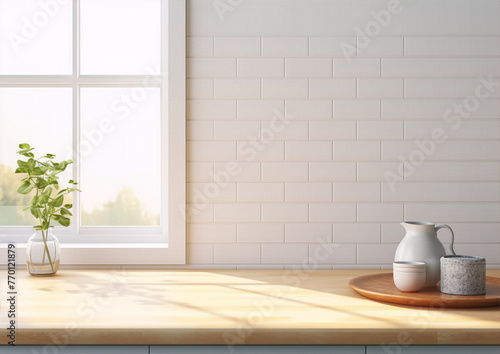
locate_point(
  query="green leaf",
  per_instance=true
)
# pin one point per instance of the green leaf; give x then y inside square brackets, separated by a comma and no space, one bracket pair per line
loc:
[64,221]
[55,184]
[47,191]
[36,212]
[35,200]
[21,170]
[64,211]
[44,199]
[41,183]
[68,190]
[52,209]
[28,154]
[68,206]
[62,166]
[24,151]
[48,165]
[38,171]
[24,146]
[22,164]
[31,163]
[25,188]
[58,201]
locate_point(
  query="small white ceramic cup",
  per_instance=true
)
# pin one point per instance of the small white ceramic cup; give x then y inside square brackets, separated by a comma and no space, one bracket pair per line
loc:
[409,276]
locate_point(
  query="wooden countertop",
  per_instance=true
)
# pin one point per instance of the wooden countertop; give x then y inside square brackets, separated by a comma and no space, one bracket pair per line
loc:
[228,307]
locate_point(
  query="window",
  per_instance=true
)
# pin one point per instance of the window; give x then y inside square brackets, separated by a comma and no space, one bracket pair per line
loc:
[100,82]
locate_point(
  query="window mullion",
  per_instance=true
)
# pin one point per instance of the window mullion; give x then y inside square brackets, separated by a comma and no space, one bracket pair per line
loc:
[76,111]
[27,81]
[117,80]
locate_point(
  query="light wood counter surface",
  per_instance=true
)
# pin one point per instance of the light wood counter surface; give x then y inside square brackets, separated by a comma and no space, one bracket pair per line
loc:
[228,307]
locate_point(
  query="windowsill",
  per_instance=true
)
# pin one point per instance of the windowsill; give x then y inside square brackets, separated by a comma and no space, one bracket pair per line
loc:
[115,245]
[101,245]
[229,307]
[115,254]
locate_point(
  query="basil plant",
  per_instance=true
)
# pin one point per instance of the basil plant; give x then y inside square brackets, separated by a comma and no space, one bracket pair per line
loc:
[42,180]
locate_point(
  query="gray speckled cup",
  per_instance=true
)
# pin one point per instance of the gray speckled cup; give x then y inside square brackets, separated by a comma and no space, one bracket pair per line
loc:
[463,275]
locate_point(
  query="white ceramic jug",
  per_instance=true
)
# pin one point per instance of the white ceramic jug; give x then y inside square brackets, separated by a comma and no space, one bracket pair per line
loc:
[421,244]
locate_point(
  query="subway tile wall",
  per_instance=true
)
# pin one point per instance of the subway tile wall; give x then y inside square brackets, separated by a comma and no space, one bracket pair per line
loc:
[316,127]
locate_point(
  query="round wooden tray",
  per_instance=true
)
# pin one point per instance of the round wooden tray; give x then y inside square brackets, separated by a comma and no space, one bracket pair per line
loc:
[381,287]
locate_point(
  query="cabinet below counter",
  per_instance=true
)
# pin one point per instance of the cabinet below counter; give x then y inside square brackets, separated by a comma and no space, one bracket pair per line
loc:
[229,308]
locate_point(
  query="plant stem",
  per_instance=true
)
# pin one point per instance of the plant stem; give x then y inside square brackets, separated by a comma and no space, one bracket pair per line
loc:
[46,249]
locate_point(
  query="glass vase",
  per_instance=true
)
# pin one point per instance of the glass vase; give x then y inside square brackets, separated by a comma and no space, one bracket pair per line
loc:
[43,253]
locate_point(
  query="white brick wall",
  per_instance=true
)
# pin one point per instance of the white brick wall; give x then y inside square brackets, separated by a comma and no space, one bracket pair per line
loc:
[300,153]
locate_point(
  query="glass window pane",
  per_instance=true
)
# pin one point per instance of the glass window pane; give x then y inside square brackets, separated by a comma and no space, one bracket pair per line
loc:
[40,117]
[120,156]
[119,37]
[35,37]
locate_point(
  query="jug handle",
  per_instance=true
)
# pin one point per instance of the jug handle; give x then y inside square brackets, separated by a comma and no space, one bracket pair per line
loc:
[441,226]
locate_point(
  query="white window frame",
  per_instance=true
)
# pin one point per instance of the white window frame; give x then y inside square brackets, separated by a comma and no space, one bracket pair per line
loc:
[80,247]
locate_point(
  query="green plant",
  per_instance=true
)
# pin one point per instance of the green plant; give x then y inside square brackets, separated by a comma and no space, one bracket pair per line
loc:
[47,204]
